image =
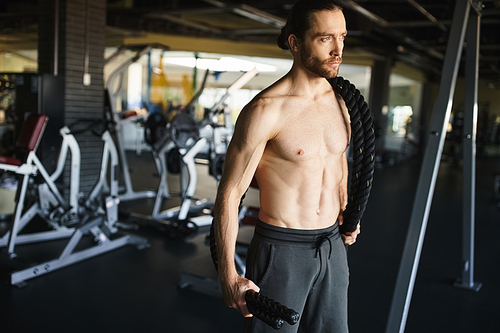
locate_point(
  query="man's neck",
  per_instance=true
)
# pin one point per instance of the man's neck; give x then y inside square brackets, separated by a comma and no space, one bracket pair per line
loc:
[305,83]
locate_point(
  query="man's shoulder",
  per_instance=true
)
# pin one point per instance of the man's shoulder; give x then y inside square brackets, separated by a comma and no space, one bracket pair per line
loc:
[261,116]
[269,100]
[262,109]
[276,97]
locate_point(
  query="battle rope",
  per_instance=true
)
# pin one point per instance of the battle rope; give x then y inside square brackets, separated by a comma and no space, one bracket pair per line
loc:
[363,148]
[363,145]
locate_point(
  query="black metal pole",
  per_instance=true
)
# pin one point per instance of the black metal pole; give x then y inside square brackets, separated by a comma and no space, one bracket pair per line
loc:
[425,190]
[469,153]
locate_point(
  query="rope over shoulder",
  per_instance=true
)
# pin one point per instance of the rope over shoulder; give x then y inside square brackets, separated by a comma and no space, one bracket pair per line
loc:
[363,142]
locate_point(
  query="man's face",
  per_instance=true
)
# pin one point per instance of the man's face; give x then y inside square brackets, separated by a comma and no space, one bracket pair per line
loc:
[321,49]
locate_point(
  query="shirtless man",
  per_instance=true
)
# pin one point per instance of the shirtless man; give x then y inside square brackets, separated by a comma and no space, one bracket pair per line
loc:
[293,138]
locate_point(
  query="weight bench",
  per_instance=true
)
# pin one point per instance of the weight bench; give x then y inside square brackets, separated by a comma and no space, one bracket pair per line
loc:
[27,142]
[53,208]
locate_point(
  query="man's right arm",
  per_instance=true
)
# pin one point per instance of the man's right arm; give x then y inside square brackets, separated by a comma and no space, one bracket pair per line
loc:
[254,128]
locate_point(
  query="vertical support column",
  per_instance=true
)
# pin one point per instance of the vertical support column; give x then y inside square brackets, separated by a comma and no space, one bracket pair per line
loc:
[425,117]
[425,190]
[148,87]
[56,38]
[379,97]
[195,73]
[71,45]
[84,42]
[51,80]
[469,153]
[48,36]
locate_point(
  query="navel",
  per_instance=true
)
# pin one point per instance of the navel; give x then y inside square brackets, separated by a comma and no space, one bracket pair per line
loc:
[317,211]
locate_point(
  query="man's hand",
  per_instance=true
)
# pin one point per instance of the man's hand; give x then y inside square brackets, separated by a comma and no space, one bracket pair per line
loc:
[349,238]
[234,293]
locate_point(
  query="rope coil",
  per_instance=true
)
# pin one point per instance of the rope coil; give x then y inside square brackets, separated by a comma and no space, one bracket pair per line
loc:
[363,142]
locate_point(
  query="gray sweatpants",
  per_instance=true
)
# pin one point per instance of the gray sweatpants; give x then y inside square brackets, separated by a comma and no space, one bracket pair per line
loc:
[305,270]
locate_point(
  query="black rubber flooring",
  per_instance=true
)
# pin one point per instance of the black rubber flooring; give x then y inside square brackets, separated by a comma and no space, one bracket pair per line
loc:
[131,290]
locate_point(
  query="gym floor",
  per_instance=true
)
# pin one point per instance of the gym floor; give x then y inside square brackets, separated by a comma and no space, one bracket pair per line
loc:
[130,290]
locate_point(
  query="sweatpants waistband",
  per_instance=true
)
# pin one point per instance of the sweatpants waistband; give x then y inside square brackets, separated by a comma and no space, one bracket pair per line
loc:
[287,235]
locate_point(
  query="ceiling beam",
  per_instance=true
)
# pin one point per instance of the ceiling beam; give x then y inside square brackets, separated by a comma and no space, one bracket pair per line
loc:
[366,13]
[181,21]
[426,24]
[427,14]
[250,12]
[396,35]
[259,15]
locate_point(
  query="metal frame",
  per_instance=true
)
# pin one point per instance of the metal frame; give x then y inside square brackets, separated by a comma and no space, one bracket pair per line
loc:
[69,256]
[102,222]
[188,162]
[49,193]
[109,151]
[161,166]
[69,142]
[187,192]
[416,232]
[114,92]
[469,153]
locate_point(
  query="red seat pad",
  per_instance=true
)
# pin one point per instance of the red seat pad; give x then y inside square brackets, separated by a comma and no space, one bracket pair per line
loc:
[31,131]
[10,160]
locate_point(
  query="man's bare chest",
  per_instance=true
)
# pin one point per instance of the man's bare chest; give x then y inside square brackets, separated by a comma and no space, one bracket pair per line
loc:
[319,132]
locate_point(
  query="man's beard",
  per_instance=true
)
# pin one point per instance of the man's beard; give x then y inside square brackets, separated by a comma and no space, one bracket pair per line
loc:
[318,67]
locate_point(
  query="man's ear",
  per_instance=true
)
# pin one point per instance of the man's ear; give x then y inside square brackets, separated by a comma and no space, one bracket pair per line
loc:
[293,41]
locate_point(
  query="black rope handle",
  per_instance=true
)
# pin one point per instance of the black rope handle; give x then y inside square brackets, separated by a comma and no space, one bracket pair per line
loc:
[268,305]
[363,145]
[260,313]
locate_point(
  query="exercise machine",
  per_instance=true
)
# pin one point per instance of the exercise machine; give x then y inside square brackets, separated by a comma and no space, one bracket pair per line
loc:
[175,145]
[114,87]
[65,218]
[157,136]
[181,143]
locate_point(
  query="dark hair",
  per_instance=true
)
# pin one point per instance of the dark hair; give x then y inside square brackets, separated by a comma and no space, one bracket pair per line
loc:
[299,18]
